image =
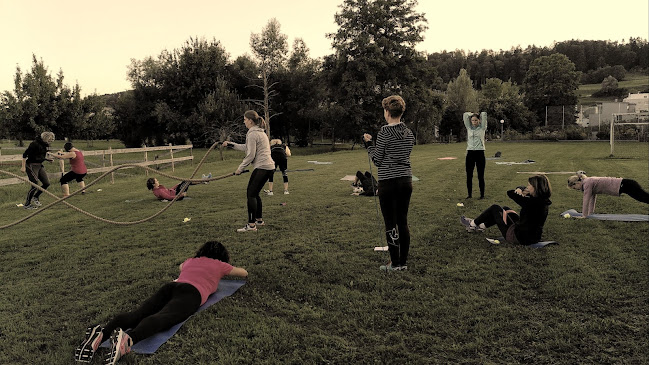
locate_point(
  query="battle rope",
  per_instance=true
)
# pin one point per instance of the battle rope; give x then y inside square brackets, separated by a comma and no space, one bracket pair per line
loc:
[125,223]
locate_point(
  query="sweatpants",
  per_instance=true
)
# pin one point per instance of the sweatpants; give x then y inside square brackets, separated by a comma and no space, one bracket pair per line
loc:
[170,305]
[36,172]
[394,197]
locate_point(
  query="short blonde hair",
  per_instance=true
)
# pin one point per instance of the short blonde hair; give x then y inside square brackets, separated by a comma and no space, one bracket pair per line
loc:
[47,137]
[275,141]
[395,105]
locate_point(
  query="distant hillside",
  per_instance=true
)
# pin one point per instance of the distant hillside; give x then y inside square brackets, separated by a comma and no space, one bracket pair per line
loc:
[634,83]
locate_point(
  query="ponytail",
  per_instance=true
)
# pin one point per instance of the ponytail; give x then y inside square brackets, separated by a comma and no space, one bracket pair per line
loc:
[252,115]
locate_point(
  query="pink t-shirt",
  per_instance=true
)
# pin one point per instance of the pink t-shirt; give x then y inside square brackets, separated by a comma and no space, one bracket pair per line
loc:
[204,274]
[77,164]
[163,193]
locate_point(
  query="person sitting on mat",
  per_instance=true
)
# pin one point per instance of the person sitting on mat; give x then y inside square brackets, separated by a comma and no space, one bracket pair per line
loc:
[616,186]
[279,152]
[163,193]
[365,184]
[173,303]
[77,171]
[525,229]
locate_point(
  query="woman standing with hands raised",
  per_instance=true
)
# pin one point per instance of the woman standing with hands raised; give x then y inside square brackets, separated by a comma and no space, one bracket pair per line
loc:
[476,125]
[257,149]
[391,155]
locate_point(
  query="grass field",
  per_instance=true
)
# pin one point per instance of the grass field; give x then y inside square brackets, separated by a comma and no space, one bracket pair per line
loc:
[315,294]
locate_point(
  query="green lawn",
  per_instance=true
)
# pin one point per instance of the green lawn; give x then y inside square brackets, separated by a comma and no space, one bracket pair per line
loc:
[315,294]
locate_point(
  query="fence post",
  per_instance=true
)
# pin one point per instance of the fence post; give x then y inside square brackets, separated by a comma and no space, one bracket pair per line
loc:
[171,152]
[146,159]
[112,174]
[191,153]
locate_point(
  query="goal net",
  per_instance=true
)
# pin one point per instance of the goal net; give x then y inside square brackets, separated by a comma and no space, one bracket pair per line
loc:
[629,135]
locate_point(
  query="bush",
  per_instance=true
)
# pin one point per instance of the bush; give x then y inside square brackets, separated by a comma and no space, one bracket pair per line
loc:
[575,133]
[619,92]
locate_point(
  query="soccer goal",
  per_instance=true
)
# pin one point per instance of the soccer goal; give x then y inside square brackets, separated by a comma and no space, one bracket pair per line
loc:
[629,135]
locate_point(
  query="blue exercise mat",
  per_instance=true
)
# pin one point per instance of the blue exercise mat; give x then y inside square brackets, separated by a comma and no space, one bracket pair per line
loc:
[610,217]
[151,344]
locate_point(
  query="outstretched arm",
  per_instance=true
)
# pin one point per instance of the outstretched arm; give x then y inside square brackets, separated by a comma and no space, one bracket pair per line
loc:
[238,271]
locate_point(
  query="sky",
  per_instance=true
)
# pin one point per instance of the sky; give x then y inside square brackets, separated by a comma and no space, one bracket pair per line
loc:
[93,42]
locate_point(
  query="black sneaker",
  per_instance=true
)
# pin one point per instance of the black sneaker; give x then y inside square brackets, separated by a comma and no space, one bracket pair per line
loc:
[86,350]
[36,203]
[30,207]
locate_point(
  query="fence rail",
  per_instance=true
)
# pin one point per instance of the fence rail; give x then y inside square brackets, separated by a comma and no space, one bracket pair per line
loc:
[107,155]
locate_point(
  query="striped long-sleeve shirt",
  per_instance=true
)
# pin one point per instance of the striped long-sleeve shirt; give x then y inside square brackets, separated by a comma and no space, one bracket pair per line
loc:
[391,153]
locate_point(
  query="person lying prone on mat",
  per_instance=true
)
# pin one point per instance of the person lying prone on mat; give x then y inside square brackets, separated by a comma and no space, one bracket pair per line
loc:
[365,184]
[163,193]
[525,229]
[616,186]
[173,303]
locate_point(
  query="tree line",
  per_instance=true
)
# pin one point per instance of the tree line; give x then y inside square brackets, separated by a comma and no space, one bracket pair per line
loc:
[197,93]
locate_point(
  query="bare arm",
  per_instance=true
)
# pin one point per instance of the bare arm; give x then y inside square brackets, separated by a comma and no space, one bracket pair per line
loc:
[238,271]
[64,155]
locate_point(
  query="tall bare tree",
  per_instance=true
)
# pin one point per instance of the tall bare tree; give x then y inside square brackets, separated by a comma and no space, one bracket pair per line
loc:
[270,48]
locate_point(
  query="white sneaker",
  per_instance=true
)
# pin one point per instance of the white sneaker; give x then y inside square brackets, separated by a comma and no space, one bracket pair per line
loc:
[286,192]
[268,192]
[247,228]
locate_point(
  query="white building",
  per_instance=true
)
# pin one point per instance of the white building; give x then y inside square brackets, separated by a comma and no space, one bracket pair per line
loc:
[639,100]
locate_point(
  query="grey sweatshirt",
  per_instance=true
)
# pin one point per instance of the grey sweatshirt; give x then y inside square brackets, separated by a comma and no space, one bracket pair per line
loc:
[257,150]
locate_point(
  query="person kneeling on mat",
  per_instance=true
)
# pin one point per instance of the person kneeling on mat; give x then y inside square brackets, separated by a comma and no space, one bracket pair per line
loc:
[365,184]
[616,186]
[525,229]
[172,304]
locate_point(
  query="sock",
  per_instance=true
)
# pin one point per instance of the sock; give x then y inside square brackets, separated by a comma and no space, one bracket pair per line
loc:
[482,226]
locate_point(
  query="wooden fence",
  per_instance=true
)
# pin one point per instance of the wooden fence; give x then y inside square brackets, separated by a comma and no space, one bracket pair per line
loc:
[108,162]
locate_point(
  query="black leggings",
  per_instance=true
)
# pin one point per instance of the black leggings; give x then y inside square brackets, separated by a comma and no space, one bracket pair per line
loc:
[494,216]
[634,190]
[284,175]
[475,158]
[394,197]
[36,172]
[257,180]
[170,305]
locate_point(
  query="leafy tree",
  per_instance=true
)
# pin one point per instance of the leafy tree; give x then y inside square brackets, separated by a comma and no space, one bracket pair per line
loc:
[168,90]
[550,80]
[98,121]
[270,48]
[300,92]
[503,101]
[374,57]
[460,98]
